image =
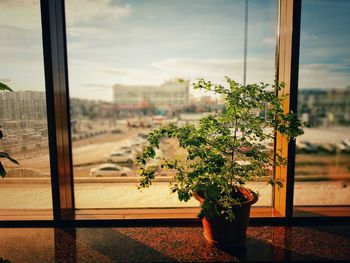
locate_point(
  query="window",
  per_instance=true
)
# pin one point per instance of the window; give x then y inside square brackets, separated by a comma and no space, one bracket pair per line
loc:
[323,152]
[131,68]
[23,116]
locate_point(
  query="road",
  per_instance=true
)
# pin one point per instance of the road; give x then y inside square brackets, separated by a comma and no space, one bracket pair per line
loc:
[86,153]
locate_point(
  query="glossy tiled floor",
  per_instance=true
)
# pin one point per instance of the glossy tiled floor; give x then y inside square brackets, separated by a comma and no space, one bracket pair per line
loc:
[171,244]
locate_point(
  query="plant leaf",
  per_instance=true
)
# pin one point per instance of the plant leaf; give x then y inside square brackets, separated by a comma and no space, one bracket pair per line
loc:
[6,155]
[2,170]
[4,87]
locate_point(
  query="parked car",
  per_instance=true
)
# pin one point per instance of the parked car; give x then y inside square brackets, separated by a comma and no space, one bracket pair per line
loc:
[120,157]
[327,148]
[116,131]
[159,171]
[143,135]
[306,147]
[139,141]
[110,169]
[346,144]
[125,149]
[154,164]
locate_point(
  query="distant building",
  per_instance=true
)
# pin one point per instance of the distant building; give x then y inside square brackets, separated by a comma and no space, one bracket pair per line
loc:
[324,107]
[170,96]
[23,105]
[91,109]
[23,120]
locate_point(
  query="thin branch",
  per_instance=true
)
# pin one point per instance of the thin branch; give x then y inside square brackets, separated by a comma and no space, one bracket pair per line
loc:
[214,146]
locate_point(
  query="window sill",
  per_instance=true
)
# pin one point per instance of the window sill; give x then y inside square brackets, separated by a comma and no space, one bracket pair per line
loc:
[157,213]
[321,211]
[164,214]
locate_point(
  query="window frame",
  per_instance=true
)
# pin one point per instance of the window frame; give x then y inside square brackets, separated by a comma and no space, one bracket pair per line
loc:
[57,98]
[60,144]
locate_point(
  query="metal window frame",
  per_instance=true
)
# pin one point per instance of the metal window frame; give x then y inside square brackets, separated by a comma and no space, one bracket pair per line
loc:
[57,98]
[287,71]
[58,109]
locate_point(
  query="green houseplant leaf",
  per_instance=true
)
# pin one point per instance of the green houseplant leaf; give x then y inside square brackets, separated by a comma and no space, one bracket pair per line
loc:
[5,87]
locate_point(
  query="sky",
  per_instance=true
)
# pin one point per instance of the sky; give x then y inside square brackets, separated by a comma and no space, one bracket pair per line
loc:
[147,42]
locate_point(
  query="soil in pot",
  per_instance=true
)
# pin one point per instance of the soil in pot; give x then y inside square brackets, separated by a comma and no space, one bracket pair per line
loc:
[221,232]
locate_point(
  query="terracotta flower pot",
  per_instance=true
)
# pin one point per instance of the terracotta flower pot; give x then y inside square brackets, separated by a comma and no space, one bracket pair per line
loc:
[221,232]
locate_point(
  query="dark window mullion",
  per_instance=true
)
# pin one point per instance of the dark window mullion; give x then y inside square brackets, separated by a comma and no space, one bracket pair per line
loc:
[55,61]
[293,103]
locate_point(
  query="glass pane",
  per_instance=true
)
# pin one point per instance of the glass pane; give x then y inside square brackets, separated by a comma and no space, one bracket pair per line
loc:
[23,117]
[131,67]
[260,65]
[323,152]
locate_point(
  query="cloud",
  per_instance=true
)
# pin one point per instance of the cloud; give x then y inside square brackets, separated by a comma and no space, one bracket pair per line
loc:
[148,75]
[270,41]
[194,67]
[116,71]
[308,36]
[88,32]
[215,69]
[100,86]
[323,76]
[5,80]
[323,54]
[26,13]
[106,74]
[86,11]
[20,13]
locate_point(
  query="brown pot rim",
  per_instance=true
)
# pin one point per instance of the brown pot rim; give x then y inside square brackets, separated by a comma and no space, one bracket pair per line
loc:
[248,193]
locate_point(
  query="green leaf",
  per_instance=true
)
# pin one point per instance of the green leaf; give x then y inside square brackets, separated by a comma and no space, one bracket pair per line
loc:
[279,183]
[2,170]
[7,156]
[5,87]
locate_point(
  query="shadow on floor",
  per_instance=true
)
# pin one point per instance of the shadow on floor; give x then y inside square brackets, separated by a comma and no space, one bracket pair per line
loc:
[102,245]
[256,251]
[170,244]
[338,230]
[109,245]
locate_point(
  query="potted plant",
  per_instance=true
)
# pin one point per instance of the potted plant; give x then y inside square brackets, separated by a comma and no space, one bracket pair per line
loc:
[4,155]
[223,152]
